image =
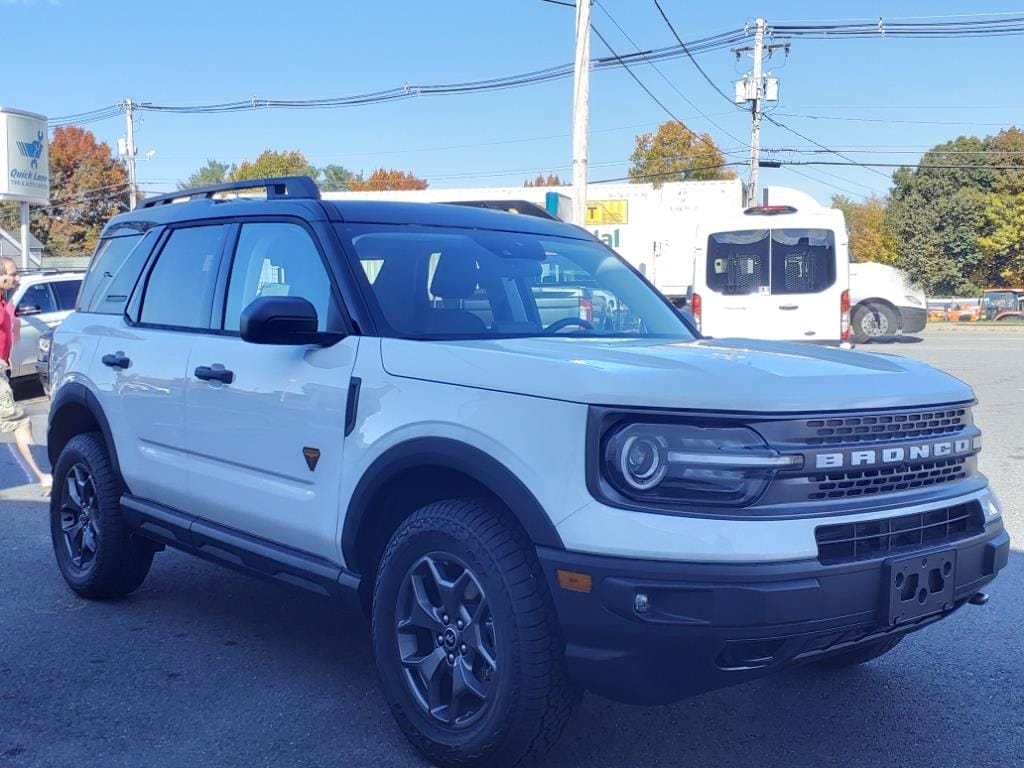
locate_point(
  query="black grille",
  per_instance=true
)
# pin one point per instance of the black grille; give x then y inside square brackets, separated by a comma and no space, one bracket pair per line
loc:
[870,539]
[868,482]
[882,427]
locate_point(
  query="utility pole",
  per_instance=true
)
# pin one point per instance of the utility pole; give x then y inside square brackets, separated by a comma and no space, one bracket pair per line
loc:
[755,111]
[130,152]
[581,112]
[756,89]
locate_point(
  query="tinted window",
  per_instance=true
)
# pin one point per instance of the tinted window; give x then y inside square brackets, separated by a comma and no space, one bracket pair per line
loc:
[67,293]
[780,261]
[453,283]
[38,296]
[108,260]
[278,259]
[179,291]
[803,260]
[738,262]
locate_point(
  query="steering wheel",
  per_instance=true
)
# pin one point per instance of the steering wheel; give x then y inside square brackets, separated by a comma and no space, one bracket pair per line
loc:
[565,322]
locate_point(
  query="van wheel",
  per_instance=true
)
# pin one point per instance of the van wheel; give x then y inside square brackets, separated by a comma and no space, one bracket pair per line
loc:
[466,641]
[872,321]
[95,554]
[857,656]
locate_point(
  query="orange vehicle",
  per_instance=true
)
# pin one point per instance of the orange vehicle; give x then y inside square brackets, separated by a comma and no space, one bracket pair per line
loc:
[1003,304]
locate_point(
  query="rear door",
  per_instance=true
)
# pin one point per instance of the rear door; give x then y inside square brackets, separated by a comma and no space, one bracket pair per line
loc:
[805,285]
[266,446]
[734,282]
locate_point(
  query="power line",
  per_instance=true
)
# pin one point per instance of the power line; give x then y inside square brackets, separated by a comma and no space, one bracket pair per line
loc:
[666,79]
[826,183]
[690,55]
[650,93]
[886,120]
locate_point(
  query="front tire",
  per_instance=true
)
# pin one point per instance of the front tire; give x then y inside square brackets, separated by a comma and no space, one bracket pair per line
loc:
[873,321]
[467,644]
[95,554]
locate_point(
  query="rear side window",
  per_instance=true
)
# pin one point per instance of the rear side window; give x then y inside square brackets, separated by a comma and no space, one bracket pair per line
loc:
[107,263]
[803,260]
[180,288]
[66,292]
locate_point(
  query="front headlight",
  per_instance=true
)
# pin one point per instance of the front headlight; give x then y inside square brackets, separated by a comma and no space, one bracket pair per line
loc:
[914,300]
[690,464]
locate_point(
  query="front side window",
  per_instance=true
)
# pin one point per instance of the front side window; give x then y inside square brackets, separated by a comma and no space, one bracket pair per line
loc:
[771,262]
[435,282]
[278,259]
[37,300]
[179,290]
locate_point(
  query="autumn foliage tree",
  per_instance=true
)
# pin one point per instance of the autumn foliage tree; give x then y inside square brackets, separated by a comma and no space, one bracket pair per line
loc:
[551,180]
[388,179]
[88,185]
[675,153]
[275,163]
[871,236]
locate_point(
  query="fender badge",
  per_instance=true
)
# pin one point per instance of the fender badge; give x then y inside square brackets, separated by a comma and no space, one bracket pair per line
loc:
[312,457]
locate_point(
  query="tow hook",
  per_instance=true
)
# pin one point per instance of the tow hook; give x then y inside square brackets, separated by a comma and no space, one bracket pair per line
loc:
[978,598]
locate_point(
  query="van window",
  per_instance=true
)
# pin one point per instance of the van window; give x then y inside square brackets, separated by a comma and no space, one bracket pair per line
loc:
[771,262]
[738,262]
[803,260]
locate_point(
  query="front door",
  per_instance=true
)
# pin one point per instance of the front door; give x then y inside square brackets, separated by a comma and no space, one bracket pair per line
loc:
[265,443]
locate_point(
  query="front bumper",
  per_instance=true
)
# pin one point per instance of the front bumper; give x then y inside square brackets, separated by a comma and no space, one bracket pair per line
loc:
[914,320]
[709,626]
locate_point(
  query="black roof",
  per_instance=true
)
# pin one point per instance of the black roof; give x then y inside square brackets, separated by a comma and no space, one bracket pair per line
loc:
[355,211]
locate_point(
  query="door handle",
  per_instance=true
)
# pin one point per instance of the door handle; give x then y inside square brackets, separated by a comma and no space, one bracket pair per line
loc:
[789,306]
[206,373]
[116,360]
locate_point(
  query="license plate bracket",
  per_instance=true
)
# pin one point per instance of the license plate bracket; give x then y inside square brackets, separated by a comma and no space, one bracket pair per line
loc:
[919,585]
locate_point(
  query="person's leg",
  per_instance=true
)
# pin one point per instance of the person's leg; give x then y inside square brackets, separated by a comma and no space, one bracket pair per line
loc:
[23,440]
[13,419]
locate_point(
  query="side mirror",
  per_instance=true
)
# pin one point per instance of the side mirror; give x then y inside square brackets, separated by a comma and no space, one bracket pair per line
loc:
[283,320]
[24,310]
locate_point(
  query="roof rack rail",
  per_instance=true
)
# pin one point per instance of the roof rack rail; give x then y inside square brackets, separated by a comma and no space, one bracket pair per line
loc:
[523,207]
[293,187]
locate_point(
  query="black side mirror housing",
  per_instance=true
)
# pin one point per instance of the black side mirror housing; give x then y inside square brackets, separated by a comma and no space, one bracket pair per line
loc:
[290,320]
[25,310]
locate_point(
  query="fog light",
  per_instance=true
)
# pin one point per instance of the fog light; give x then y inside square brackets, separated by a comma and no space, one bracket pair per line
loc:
[641,602]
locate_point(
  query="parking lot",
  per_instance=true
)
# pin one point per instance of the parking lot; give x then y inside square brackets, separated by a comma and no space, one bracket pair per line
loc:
[204,666]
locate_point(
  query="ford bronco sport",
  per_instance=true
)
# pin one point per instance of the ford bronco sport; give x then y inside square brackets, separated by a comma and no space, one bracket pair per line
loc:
[360,399]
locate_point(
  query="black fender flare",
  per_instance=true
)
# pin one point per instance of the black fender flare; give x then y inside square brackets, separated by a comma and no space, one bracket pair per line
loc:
[76,395]
[455,455]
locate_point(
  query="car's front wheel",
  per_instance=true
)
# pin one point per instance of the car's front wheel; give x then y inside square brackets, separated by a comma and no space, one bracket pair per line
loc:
[95,553]
[466,641]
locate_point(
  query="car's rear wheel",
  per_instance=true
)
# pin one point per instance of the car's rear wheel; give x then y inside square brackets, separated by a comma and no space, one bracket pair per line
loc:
[466,641]
[95,553]
[860,655]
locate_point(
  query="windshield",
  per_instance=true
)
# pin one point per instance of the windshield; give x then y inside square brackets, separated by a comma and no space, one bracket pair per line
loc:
[448,283]
[771,262]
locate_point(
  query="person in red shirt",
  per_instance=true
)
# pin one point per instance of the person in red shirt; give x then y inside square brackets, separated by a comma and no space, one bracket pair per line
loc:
[12,417]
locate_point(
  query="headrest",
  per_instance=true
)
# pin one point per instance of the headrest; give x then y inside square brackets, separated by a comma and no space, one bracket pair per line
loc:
[456,275]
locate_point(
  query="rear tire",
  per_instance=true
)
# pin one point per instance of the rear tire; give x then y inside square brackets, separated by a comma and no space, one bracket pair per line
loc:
[95,553]
[862,655]
[873,321]
[467,645]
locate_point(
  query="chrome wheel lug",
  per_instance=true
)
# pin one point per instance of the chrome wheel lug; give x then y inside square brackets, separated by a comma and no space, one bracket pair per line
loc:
[462,649]
[444,618]
[440,639]
[459,624]
[451,658]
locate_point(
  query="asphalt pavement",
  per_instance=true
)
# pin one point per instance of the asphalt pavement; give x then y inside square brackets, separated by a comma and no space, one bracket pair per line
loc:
[206,667]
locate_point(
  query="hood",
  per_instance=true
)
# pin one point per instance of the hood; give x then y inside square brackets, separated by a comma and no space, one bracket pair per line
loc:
[719,374]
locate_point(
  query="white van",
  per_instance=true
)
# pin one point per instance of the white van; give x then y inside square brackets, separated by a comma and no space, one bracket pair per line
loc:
[777,271]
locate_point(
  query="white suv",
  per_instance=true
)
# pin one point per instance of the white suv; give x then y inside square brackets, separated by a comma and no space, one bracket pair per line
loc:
[360,399]
[41,301]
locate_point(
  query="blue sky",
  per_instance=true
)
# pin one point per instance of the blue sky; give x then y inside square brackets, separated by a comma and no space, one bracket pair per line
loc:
[78,55]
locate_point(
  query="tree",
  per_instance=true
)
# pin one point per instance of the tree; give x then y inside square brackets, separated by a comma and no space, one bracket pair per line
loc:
[385,179]
[871,237]
[551,180]
[272,163]
[87,186]
[337,178]
[675,153]
[213,172]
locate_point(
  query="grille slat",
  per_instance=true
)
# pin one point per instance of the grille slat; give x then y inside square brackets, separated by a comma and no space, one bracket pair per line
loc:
[870,539]
[838,485]
[882,428]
